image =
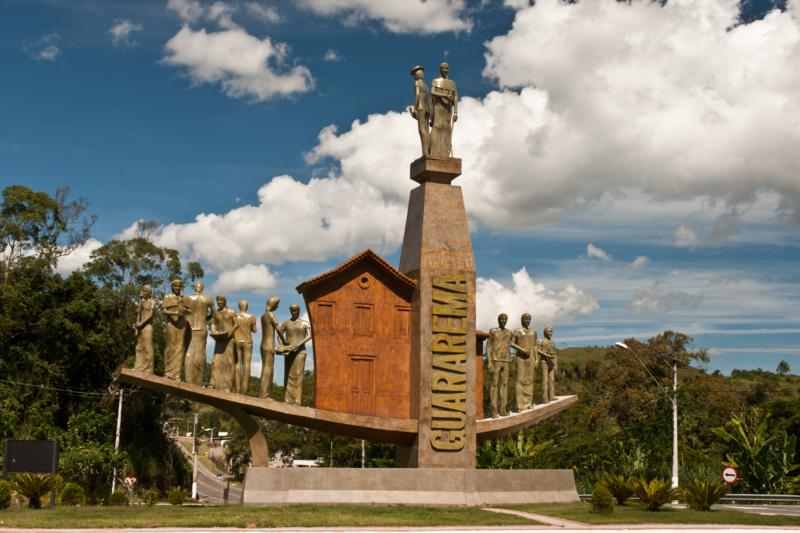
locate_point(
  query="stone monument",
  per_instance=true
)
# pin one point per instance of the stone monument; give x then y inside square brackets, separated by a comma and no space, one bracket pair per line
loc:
[527,359]
[437,253]
[222,328]
[176,331]
[201,308]
[243,337]
[269,328]
[143,328]
[297,333]
[549,355]
[498,356]
[396,360]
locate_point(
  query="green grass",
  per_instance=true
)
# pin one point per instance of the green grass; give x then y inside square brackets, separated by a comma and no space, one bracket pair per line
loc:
[236,516]
[635,514]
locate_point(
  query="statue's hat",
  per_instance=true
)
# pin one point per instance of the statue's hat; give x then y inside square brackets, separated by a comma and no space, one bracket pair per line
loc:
[416,68]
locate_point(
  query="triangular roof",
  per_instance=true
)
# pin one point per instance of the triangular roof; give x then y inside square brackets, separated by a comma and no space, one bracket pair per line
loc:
[366,255]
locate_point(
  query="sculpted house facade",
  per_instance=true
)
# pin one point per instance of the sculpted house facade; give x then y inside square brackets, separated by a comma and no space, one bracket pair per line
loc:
[361,324]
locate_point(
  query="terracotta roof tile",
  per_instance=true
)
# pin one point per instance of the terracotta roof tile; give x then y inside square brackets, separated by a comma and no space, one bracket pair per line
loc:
[366,255]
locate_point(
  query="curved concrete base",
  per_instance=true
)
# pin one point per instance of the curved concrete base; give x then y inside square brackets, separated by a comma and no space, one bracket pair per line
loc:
[407,486]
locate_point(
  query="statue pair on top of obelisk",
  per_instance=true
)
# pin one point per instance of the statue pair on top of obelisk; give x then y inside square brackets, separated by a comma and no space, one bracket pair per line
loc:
[435,114]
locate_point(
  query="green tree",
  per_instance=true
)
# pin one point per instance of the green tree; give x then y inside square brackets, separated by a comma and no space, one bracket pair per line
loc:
[36,226]
[783,368]
[763,457]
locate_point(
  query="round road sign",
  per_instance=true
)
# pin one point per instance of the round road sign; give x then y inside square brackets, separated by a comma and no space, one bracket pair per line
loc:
[729,475]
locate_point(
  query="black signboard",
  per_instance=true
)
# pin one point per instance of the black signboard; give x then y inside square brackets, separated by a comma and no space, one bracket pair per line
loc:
[36,456]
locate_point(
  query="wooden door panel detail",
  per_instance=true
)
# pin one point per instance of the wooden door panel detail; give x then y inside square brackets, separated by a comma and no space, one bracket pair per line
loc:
[362,384]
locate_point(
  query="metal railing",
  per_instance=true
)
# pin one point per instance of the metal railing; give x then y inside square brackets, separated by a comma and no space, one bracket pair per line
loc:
[744,499]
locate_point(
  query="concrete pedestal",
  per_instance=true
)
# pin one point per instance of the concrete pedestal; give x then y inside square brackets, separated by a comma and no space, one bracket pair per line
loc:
[437,252]
[407,486]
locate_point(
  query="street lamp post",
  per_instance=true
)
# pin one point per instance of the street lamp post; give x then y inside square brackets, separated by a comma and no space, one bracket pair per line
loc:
[674,407]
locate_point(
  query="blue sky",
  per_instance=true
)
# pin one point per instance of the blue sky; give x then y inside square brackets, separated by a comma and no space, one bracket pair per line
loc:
[628,168]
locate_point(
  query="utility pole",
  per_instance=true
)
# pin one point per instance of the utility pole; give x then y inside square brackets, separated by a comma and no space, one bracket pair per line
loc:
[675,480]
[194,459]
[116,441]
[674,423]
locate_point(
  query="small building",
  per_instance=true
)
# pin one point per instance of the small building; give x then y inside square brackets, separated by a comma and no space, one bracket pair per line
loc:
[360,316]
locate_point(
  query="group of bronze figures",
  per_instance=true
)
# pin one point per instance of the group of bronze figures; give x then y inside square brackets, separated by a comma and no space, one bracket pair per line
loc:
[189,319]
[436,114]
[530,353]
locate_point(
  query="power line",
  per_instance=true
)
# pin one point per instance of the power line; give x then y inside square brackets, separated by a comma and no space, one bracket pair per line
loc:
[42,386]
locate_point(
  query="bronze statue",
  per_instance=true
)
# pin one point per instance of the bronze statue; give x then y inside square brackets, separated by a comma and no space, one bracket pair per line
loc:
[223,325]
[444,99]
[200,309]
[269,327]
[243,347]
[527,359]
[549,355]
[297,333]
[498,355]
[421,110]
[143,328]
[176,331]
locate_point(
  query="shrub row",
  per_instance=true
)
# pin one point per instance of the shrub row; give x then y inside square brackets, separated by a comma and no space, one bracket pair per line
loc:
[652,494]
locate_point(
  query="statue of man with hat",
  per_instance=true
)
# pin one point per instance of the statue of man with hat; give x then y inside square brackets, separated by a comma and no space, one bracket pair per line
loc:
[421,110]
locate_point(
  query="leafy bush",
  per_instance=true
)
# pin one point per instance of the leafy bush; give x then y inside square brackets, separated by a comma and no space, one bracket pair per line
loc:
[701,495]
[176,497]
[619,485]
[5,494]
[34,487]
[72,494]
[602,501]
[117,498]
[91,465]
[151,498]
[654,493]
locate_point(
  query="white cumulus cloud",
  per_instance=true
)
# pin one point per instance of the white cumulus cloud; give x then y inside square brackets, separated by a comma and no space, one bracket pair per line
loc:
[679,99]
[670,102]
[332,55]
[649,301]
[524,295]
[121,32]
[639,262]
[244,65]
[249,278]
[79,257]
[187,10]
[685,237]
[596,252]
[398,16]
[292,221]
[45,48]
[262,12]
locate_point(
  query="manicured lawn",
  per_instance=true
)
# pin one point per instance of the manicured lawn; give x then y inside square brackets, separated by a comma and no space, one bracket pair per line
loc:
[236,516]
[635,514]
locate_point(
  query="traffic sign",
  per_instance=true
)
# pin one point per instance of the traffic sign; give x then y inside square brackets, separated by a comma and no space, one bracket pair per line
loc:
[730,475]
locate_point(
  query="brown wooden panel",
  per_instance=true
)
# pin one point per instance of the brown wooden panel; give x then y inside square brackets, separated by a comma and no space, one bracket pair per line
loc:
[402,320]
[372,316]
[362,384]
[362,325]
[324,317]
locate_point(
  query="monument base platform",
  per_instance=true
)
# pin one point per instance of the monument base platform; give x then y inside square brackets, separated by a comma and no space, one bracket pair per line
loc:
[407,486]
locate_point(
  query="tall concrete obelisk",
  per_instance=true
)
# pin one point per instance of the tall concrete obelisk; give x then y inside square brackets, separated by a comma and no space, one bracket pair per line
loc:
[437,252]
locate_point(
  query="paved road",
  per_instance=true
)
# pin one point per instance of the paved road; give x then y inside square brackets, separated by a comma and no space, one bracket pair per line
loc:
[768,510]
[209,487]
